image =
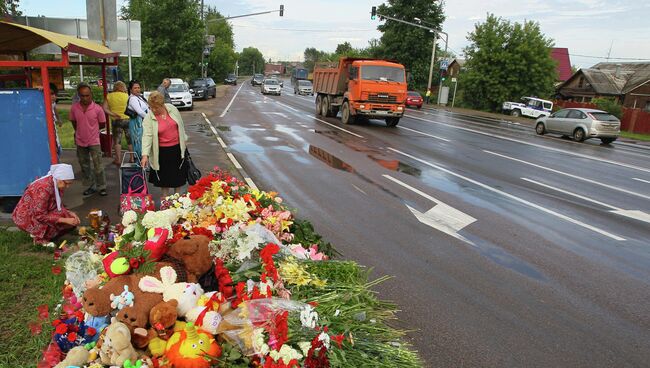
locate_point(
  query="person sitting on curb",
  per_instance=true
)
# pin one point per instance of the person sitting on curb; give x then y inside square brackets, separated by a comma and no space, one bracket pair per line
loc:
[40,211]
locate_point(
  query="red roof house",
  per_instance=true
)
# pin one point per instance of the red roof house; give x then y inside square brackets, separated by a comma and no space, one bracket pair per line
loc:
[561,55]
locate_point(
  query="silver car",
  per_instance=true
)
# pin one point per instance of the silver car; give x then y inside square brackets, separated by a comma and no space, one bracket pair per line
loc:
[581,124]
[271,86]
[303,87]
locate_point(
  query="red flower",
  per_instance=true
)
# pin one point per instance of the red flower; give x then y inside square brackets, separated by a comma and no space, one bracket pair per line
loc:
[266,255]
[56,270]
[61,328]
[90,331]
[223,278]
[278,330]
[72,336]
[202,231]
[134,263]
[338,339]
[56,322]
[43,312]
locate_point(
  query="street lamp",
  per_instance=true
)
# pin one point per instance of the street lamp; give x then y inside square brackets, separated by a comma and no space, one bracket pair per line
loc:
[433,53]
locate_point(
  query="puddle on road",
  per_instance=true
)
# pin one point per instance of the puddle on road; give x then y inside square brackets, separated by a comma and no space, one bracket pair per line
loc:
[397,165]
[330,159]
[284,148]
[247,147]
[272,139]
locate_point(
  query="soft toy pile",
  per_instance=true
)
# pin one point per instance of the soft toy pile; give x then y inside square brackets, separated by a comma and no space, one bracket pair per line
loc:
[221,276]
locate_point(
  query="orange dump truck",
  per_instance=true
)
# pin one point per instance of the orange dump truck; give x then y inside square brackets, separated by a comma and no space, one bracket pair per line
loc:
[361,88]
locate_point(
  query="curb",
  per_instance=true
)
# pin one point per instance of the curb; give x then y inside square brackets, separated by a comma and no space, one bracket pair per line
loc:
[230,155]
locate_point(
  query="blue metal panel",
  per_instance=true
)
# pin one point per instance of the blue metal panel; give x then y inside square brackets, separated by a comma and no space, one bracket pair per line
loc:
[24,146]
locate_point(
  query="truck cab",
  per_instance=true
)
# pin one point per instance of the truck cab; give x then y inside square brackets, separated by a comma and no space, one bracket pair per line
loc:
[366,88]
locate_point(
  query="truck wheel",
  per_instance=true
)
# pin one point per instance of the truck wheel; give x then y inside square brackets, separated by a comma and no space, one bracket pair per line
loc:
[515,113]
[325,106]
[346,114]
[319,103]
[391,122]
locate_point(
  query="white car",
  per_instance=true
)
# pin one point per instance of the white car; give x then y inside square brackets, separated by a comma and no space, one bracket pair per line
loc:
[272,86]
[180,94]
[532,107]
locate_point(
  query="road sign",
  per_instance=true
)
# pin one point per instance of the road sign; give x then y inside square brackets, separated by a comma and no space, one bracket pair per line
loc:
[444,63]
[454,80]
[210,40]
[102,13]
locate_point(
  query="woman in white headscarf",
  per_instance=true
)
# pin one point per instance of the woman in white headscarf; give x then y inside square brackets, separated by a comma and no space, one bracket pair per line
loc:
[40,211]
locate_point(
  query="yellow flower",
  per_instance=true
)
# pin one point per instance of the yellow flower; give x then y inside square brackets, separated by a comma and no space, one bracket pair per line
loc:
[294,273]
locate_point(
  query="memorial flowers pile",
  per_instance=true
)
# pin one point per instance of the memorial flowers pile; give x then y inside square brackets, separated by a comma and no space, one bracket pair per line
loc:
[224,276]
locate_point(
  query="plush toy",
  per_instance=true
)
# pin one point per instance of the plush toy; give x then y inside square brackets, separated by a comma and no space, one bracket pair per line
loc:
[157,243]
[116,347]
[96,301]
[77,357]
[186,294]
[192,348]
[195,255]
[163,320]
[114,265]
[125,299]
[206,312]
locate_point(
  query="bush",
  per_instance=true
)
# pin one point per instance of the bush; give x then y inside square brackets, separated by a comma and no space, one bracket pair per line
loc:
[609,105]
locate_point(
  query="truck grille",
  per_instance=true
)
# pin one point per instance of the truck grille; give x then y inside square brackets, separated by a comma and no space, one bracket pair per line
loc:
[382,98]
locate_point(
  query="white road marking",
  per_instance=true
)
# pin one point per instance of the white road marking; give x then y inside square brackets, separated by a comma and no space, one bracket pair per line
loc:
[285,105]
[231,101]
[536,145]
[635,214]
[250,183]
[334,126]
[359,189]
[513,197]
[214,131]
[234,160]
[570,175]
[641,180]
[427,134]
[441,217]
[221,142]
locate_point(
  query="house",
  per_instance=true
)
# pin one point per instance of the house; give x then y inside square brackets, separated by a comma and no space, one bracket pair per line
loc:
[561,56]
[627,83]
[455,67]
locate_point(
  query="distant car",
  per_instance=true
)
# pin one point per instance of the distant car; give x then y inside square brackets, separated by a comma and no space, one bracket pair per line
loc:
[277,77]
[204,88]
[179,92]
[414,99]
[231,79]
[257,79]
[581,124]
[272,86]
[303,87]
[530,106]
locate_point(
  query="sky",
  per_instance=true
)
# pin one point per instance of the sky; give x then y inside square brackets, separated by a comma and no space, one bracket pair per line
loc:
[588,28]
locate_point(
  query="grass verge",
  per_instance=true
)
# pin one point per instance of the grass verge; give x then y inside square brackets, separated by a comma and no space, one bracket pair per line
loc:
[26,282]
[636,136]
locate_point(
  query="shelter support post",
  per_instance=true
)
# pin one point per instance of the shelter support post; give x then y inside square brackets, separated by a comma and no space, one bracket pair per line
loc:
[49,117]
[109,146]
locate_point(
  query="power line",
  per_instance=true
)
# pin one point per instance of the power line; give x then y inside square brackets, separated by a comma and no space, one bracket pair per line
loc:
[607,58]
[305,30]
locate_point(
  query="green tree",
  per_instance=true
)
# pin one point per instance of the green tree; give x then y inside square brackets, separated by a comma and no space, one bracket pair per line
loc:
[408,44]
[506,61]
[343,48]
[222,57]
[172,38]
[9,7]
[312,56]
[251,60]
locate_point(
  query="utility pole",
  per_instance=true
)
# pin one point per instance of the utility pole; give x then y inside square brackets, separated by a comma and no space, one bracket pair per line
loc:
[205,26]
[433,58]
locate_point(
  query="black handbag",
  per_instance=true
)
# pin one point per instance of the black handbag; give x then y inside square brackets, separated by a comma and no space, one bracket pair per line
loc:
[129,112]
[193,173]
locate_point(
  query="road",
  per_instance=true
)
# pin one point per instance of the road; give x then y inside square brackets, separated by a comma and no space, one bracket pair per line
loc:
[508,249]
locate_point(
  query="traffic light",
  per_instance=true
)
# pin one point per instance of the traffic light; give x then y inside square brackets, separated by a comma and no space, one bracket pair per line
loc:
[443,75]
[373,13]
[281,10]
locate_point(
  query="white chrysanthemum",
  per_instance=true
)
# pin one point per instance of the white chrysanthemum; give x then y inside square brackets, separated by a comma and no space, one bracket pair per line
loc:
[286,354]
[129,218]
[304,346]
[259,345]
[308,317]
[325,338]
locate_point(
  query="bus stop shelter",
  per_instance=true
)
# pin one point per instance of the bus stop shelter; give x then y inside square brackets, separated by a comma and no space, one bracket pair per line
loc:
[27,131]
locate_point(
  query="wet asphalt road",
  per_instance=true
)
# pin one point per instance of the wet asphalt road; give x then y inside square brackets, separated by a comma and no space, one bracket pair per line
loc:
[525,255]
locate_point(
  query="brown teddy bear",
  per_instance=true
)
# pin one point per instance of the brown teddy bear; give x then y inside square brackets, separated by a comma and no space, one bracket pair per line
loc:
[195,255]
[97,300]
[162,319]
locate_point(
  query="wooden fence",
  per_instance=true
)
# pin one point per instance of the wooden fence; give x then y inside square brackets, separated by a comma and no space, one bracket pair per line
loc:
[633,120]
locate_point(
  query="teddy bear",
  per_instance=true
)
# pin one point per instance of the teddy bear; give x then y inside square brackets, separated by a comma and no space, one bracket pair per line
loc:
[186,294]
[76,357]
[195,255]
[116,347]
[163,321]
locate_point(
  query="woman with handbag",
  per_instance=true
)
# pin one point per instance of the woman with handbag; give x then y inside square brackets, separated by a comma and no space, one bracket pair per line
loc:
[163,145]
[136,109]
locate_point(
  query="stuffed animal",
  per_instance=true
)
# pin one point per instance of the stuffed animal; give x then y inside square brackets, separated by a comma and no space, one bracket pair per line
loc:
[206,314]
[125,299]
[77,357]
[116,347]
[192,348]
[195,255]
[163,320]
[186,294]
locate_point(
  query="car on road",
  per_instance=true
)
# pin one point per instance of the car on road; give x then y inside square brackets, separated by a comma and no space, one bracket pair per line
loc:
[203,88]
[303,87]
[257,80]
[414,99]
[231,79]
[581,124]
[179,92]
[530,106]
[276,77]
[271,86]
